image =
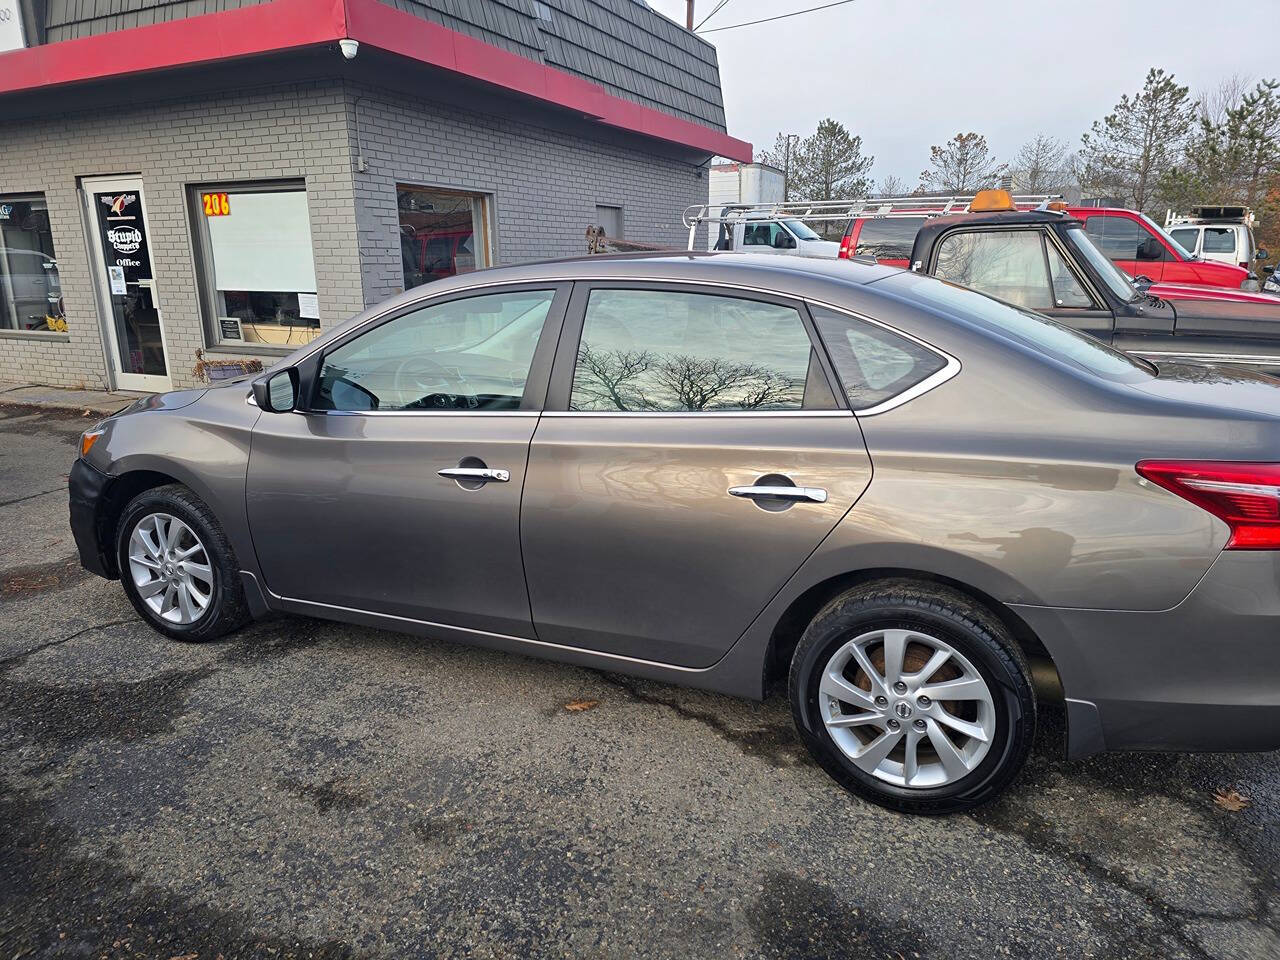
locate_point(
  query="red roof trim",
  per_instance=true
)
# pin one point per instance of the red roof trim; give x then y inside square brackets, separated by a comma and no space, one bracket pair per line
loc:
[285,24]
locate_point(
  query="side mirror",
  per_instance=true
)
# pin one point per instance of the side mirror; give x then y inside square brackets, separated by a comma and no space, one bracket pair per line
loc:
[277,393]
[1269,270]
[1261,254]
[1150,249]
[784,241]
[1142,282]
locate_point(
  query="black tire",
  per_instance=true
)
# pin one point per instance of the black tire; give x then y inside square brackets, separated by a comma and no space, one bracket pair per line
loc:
[227,610]
[953,618]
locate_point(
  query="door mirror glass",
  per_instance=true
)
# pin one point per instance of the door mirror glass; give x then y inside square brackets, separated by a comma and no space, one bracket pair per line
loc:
[277,393]
[1142,282]
[1150,250]
[1261,254]
[1268,270]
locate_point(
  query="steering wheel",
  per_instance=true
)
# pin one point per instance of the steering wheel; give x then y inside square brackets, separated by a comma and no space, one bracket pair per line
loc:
[419,376]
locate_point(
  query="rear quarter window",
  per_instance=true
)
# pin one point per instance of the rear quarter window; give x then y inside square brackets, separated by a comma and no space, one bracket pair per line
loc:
[874,364]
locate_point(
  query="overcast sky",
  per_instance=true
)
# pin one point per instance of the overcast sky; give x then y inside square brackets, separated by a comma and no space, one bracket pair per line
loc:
[905,75]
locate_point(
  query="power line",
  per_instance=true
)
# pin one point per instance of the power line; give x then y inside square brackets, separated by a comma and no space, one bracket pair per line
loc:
[719,6]
[751,23]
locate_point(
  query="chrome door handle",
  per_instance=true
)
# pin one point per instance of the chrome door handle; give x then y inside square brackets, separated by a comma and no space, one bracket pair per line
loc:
[811,494]
[483,474]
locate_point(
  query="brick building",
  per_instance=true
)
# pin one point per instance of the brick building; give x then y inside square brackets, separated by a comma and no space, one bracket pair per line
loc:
[234,176]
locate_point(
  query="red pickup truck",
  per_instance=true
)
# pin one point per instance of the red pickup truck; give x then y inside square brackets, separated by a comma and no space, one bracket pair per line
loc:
[1132,240]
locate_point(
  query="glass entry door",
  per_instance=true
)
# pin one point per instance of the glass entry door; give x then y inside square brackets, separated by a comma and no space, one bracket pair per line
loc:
[130,303]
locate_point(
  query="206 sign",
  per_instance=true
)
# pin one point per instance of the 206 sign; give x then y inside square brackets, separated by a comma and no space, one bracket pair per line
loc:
[216,204]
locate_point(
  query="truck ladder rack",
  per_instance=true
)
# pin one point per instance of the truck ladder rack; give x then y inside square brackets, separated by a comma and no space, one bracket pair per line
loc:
[838,210]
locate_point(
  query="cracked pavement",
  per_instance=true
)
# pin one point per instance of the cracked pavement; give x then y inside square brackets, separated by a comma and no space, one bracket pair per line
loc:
[313,790]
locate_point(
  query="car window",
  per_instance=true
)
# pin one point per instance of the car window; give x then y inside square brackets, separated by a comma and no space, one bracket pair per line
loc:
[1068,291]
[665,351]
[874,364]
[888,238]
[1118,237]
[1186,238]
[468,354]
[761,234]
[1008,264]
[1219,240]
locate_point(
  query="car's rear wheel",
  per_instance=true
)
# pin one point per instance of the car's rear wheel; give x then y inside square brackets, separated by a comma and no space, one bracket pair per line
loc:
[913,696]
[177,567]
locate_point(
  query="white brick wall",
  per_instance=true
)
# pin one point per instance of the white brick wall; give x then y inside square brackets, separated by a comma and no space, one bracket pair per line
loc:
[545,185]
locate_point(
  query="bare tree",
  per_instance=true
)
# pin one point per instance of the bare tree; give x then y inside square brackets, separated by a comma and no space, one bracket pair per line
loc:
[892,186]
[1215,103]
[1040,165]
[962,165]
[608,379]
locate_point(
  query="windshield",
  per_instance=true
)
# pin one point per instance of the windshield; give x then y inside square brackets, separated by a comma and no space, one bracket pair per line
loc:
[1102,265]
[1164,234]
[801,230]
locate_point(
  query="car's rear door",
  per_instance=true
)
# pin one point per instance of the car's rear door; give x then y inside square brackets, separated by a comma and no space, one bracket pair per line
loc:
[397,489]
[693,454]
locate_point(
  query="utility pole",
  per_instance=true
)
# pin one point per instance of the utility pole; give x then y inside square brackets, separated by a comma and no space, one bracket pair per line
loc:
[786,165]
[688,18]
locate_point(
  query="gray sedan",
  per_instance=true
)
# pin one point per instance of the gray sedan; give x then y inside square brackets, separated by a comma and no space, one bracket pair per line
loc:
[924,508]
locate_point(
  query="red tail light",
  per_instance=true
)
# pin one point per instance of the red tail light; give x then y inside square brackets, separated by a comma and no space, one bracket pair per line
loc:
[1244,496]
[846,251]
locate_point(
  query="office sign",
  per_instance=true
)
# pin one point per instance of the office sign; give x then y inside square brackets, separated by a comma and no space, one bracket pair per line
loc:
[12,36]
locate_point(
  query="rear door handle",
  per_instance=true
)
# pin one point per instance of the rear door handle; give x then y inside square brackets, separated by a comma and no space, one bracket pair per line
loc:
[483,474]
[810,494]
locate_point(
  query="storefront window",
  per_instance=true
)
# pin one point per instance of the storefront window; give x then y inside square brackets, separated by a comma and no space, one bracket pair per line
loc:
[30,292]
[259,275]
[442,233]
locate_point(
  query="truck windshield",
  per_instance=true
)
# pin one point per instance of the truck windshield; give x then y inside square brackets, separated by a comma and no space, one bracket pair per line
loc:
[1106,270]
[1164,234]
[801,230]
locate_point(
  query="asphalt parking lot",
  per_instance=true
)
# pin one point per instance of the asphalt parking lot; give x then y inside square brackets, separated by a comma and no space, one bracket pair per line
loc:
[308,789]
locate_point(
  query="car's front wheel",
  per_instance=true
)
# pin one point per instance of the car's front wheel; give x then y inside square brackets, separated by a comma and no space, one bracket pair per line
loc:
[913,696]
[177,567]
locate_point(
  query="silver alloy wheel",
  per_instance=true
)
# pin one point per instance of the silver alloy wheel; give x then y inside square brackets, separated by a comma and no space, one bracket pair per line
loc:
[920,717]
[170,568]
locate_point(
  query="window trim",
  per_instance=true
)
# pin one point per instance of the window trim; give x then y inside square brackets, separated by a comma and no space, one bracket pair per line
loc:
[202,260]
[17,333]
[566,358]
[535,387]
[312,353]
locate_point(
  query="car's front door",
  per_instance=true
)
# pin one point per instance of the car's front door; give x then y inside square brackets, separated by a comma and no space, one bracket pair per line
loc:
[693,455]
[1130,245]
[396,489]
[1026,267]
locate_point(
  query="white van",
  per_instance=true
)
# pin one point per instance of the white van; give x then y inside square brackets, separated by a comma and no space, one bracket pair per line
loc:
[785,236]
[1224,234]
